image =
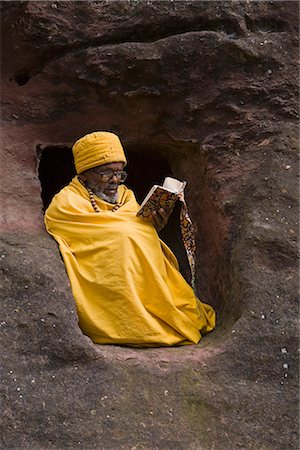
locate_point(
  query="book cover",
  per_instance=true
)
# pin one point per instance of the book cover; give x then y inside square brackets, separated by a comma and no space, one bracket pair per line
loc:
[161,197]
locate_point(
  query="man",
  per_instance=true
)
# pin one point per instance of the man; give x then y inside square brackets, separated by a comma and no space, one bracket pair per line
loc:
[125,280]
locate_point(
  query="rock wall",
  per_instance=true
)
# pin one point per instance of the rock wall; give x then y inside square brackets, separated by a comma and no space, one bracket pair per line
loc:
[211,89]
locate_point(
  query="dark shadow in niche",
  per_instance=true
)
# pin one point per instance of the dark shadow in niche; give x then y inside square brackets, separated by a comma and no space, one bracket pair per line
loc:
[56,169]
[22,77]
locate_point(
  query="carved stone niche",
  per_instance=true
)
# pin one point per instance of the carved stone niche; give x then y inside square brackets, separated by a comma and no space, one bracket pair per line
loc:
[148,165]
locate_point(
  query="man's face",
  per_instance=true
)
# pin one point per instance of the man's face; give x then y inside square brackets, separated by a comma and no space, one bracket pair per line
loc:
[103,188]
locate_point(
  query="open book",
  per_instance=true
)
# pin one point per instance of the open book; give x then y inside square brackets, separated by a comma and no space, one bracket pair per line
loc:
[161,197]
[164,197]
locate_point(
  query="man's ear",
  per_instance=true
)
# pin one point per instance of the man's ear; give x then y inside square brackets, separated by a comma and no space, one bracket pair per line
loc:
[82,176]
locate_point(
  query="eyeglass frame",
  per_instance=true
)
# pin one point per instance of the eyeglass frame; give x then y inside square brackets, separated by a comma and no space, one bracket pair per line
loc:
[110,174]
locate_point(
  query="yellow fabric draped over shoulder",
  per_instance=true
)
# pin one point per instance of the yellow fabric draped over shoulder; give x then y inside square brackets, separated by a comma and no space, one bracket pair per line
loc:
[125,280]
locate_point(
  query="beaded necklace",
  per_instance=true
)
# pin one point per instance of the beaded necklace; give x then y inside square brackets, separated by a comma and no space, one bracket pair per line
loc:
[117,205]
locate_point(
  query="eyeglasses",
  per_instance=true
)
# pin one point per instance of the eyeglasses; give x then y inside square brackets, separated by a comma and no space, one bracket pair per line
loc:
[106,176]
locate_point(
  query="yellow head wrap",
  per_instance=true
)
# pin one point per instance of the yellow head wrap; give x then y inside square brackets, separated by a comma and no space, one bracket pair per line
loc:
[97,148]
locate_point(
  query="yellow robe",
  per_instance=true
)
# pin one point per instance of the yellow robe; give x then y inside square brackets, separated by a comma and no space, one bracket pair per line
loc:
[125,280]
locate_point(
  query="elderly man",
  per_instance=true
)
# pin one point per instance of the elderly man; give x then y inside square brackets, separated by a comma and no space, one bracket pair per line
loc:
[125,280]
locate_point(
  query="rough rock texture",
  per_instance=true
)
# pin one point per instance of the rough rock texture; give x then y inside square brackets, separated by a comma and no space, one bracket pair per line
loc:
[211,88]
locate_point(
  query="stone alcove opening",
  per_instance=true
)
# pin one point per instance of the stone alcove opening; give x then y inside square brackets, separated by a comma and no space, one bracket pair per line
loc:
[145,168]
[148,166]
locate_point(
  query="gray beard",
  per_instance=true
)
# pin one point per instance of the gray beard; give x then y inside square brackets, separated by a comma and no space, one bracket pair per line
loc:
[100,194]
[107,198]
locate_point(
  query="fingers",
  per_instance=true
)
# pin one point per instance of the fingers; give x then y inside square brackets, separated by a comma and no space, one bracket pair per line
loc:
[160,218]
[157,220]
[165,214]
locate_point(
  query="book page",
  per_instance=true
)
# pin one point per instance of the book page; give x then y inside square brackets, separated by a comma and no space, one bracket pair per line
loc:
[173,185]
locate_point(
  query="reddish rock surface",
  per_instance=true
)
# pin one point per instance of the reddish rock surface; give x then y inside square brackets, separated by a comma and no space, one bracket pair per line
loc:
[208,91]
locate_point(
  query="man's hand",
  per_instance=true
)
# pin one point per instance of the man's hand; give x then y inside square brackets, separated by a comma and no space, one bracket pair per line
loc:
[160,218]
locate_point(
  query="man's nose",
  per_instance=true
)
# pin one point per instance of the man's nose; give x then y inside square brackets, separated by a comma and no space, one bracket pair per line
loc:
[115,178]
